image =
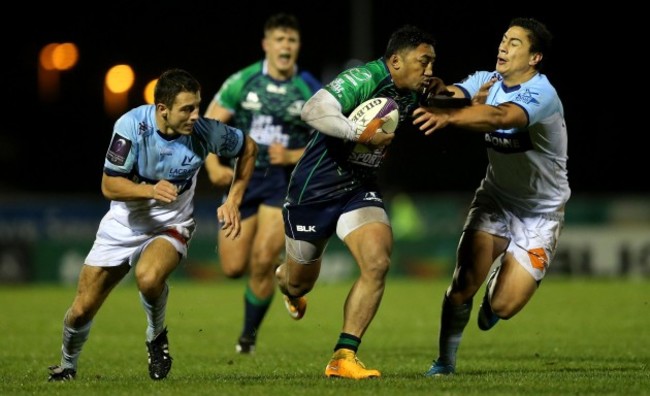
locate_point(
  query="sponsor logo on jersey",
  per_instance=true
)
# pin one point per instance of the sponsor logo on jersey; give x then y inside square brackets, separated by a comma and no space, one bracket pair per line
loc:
[264,131]
[276,89]
[252,102]
[527,97]
[187,161]
[118,150]
[365,156]
[175,172]
[512,142]
[372,196]
[353,76]
[143,127]
[370,159]
[188,168]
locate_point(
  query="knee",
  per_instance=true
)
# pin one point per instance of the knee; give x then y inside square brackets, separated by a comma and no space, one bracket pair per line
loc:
[233,265]
[293,285]
[463,287]
[233,272]
[297,289]
[79,315]
[503,308]
[376,268]
[263,263]
[148,282]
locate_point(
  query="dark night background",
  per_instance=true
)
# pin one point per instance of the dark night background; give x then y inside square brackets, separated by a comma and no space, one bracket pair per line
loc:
[59,147]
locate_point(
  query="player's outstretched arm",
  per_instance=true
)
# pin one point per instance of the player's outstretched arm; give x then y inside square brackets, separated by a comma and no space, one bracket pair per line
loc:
[478,117]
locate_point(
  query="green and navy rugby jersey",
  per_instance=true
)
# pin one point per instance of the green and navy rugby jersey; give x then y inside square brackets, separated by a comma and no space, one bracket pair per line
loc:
[266,109]
[332,167]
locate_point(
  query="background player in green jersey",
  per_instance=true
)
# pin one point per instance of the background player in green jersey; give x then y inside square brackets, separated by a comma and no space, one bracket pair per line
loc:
[264,100]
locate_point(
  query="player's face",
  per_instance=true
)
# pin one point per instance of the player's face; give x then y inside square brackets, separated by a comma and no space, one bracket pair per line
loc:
[184,113]
[514,57]
[281,47]
[416,68]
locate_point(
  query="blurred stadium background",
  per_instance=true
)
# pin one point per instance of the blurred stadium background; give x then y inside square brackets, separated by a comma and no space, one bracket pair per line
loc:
[58,122]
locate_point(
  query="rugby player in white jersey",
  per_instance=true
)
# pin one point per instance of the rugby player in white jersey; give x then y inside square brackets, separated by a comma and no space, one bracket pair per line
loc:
[517,214]
[149,176]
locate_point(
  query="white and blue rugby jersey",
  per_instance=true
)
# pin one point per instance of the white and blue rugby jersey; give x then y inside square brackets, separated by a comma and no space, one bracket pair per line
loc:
[528,166]
[138,152]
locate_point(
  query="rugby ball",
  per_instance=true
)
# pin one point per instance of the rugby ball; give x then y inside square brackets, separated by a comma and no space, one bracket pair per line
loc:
[374,109]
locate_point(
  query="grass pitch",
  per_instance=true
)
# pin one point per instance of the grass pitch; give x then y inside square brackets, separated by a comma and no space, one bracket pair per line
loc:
[577,336]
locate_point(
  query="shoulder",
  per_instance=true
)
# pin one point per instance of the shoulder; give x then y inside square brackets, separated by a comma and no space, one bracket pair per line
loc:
[309,79]
[243,75]
[215,130]
[373,70]
[542,83]
[253,68]
[538,90]
[480,77]
[231,89]
[539,98]
[137,120]
[356,84]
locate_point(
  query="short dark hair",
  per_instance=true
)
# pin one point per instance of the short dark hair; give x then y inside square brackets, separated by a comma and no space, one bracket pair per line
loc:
[538,34]
[282,20]
[407,37]
[171,83]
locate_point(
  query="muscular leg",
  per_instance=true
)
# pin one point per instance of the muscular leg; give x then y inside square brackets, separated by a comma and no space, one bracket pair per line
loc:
[477,251]
[512,289]
[297,279]
[267,245]
[371,246]
[94,286]
[234,254]
[157,261]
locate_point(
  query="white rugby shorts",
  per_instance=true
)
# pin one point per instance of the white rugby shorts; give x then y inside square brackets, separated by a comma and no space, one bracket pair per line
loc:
[116,243]
[533,236]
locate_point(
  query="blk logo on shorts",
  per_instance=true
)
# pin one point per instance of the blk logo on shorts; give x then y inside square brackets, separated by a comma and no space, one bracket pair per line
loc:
[302,228]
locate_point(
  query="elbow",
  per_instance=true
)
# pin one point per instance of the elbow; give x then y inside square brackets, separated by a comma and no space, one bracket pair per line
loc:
[251,147]
[503,121]
[106,192]
[304,113]
[254,148]
[310,109]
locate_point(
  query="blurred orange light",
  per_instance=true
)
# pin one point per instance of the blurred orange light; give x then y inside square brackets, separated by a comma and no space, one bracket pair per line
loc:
[148,91]
[65,56]
[120,78]
[46,56]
